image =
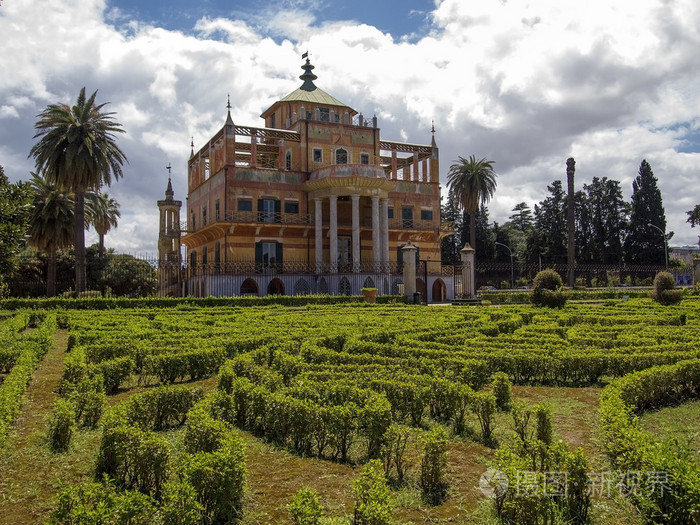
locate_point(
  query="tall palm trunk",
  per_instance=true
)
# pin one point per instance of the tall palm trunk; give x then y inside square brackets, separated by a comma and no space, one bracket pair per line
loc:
[79,231]
[51,272]
[472,228]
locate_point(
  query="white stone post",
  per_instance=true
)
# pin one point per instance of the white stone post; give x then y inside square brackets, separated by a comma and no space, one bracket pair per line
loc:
[355,232]
[319,234]
[409,270]
[333,233]
[468,281]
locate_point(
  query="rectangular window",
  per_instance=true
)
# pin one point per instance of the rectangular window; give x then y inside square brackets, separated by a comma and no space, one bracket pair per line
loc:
[318,155]
[192,226]
[204,215]
[391,213]
[273,120]
[288,161]
[269,210]
[426,215]
[245,205]
[268,255]
[364,158]
[217,211]
[324,114]
[204,256]
[407,217]
[206,169]
[291,207]
[344,249]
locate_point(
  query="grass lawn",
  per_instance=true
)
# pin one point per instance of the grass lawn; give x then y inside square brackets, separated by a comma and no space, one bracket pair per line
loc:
[679,423]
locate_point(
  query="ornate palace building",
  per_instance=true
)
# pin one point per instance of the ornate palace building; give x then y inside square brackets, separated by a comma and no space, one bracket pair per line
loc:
[316,201]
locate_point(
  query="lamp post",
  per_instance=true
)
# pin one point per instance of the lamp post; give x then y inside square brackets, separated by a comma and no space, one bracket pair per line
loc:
[665,241]
[511,262]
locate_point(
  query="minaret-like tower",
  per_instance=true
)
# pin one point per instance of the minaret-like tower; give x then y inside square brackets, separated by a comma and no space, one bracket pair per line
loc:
[169,257]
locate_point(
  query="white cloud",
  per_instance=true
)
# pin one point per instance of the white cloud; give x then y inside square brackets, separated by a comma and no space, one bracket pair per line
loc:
[526,84]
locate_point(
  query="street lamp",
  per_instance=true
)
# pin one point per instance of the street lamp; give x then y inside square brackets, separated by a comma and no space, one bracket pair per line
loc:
[511,262]
[665,240]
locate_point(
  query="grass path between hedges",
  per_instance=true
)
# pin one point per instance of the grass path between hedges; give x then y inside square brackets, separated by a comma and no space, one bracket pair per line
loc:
[28,470]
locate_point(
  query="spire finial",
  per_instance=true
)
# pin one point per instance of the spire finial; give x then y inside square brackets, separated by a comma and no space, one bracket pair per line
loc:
[308,77]
[169,189]
[432,129]
[168,167]
[192,148]
[228,102]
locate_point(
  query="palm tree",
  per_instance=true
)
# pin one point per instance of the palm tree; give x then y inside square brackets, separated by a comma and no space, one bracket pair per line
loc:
[78,152]
[50,224]
[473,183]
[103,212]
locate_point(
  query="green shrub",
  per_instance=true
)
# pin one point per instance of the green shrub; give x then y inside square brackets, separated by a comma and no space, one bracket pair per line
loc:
[547,290]
[88,398]
[392,454]
[180,505]
[433,469]
[484,407]
[543,419]
[372,496]
[61,425]
[305,508]
[218,479]
[134,459]
[203,433]
[665,291]
[114,371]
[502,390]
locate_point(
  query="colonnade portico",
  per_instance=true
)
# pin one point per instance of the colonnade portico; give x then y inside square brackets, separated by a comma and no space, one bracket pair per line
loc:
[380,229]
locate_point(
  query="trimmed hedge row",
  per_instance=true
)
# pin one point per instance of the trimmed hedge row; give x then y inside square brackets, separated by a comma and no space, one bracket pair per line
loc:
[31,347]
[633,450]
[104,303]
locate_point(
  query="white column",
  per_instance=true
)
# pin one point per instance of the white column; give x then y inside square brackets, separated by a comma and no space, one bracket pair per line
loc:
[319,234]
[333,232]
[468,288]
[355,232]
[376,238]
[384,227]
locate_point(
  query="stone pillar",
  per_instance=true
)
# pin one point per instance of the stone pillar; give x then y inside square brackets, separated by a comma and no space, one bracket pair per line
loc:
[384,227]
[355,233]
[333,233]
[376,238]
[319,234]
[468,289]
[409,270]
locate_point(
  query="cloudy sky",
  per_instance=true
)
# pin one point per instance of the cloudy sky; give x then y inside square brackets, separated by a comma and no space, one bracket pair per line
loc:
[525,83]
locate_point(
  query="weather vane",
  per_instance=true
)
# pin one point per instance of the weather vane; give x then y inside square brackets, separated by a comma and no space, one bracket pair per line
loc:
[168,167]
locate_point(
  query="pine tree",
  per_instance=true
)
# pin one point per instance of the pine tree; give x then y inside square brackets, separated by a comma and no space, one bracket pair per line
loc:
[645,243]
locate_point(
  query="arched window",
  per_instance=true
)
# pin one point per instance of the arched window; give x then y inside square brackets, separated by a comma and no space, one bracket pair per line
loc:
[341,156]
[288,161]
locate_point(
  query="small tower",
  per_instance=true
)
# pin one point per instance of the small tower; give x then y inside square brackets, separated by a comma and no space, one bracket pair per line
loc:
[169,257]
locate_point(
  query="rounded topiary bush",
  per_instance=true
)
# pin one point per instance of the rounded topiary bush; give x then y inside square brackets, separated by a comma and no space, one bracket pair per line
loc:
[547,290]
[665,289]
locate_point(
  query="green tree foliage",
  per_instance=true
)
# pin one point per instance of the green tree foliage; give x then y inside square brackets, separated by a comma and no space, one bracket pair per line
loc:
[127,275]
[644,243]
[450,245]
[50,224]
[547,240]
[78,151]
[15,208]
[694,216]
[102,212]
[474,183]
